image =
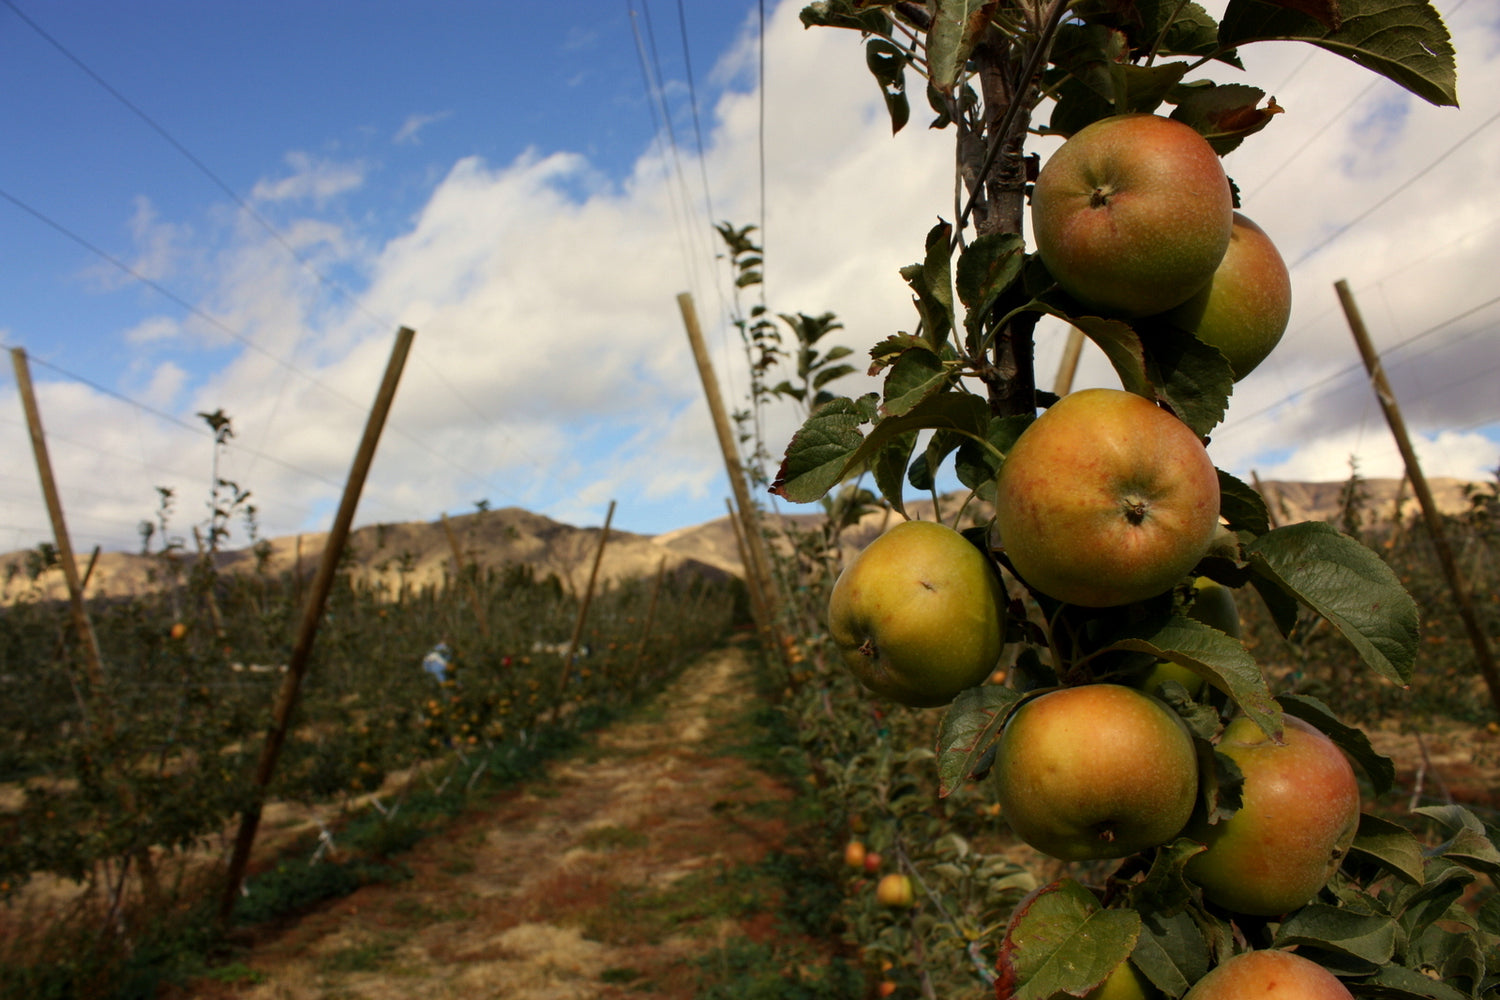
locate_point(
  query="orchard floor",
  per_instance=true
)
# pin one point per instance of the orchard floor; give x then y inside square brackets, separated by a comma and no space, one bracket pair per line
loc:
[611,875]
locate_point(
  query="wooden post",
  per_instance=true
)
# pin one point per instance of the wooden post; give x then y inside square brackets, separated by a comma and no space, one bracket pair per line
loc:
[1392,411]
[640,654]
[312,614]
[755,543]
[458,571]
[93,659]
[752,582]
[588,597]
[1068,367]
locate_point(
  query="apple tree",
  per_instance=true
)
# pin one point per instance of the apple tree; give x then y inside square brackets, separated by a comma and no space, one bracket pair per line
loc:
[1132,725]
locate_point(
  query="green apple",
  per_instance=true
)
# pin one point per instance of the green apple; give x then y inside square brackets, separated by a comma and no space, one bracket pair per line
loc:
[1244,308]
[895,890]
[1095,771]
[1106,499]
[1298,815]
[919,615]
[1125,983]
[1269,974]
[1132,214]
[1212,604]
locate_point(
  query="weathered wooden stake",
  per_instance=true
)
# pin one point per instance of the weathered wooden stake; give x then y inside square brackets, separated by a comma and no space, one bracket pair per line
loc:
[640,654]
[588,598]
[307,631]
[468,584]
[755,542]
[1068,367]
[1430,514]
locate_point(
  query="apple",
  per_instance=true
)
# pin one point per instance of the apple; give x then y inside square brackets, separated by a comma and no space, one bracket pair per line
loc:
[178,630]
[1212,604]
[1125,983]
[886,988]
[895,890]
[872,861]
[1298,815]
[1244,308]
[854,854]
[1269,974]
[1095,771]
[1106,499]
[1132,214]
[919,615]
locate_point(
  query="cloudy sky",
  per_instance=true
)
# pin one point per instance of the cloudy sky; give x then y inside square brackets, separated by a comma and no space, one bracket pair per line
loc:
[227,207]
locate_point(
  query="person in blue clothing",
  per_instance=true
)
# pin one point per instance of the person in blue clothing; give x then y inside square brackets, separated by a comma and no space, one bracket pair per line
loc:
[439,663]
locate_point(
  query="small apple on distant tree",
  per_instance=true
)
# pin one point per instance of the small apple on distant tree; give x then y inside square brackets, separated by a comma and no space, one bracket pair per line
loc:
[895,890]
[1132,214]
[1095,771]
[854,854]
[1269,974]
[1244,308]
[919,615]
[1298,815]
[872,861]
[1106,499]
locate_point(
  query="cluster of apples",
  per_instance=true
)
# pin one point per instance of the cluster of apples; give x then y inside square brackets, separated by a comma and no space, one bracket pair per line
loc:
[1134,217]
[894,889]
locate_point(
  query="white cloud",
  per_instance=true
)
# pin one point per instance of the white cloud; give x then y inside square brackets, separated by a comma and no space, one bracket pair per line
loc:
[410,131]
[550,368]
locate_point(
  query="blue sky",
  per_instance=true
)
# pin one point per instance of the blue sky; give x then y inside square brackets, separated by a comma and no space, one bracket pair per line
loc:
[496,177]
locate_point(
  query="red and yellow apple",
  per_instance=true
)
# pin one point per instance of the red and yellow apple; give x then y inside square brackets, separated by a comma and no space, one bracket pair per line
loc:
[919,615]
[854,854]
[1298,815]
[1269,974]
[1132,214]
[895,890]
[1095,771]
[1106,499]
[1244,308]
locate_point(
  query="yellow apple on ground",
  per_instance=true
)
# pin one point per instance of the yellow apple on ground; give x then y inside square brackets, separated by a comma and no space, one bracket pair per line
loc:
[1125,983]
[1132,214]
[1212,604]
[1095,771]
[1269,974]
[895,890]
[919,614]
[1106,499]
[1244,308]
[1298,815]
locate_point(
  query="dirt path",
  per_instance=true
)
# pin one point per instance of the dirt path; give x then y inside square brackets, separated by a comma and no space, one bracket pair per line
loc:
[610,876]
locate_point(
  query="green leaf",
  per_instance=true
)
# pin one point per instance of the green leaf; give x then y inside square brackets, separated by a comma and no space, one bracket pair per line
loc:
[844,14]
[1396,982]
[1350,739]
[821,453]
[1061,941]
[932,280]
[887,63]
[1120,345]
[956,26]
[916,375]
[985,270]
[1470,844]
[1390,844]
[1348,585]
[1402,40]
[1223,113]
[977,465]
[889,468]
[969,727]
[1171,951]
[1190,376]
[1220,659]
[1241,506]
[1166,889]
[1362,942]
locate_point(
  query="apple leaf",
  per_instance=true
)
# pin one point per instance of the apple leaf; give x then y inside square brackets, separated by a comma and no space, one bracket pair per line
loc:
[1191,377]
[932,280]
[846,14]
[1350,739]
[1402,40]
[1470,844]
[986,268]
[1166,888]
[889,467]
[968,728]
[1120,344]
[1391,845]
[956,26]
[1171,952]
[1218,658]
[1223,113]
[976,465]
[917,374]
[1396,982]
[887,63]
[1061,940]
[1347,584]
[822,452]
[1359,943]
[1241,506]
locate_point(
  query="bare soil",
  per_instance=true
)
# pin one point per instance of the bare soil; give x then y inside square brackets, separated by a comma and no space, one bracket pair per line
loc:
[611,875]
